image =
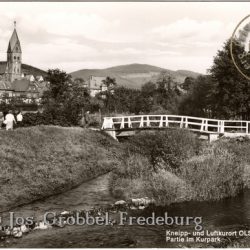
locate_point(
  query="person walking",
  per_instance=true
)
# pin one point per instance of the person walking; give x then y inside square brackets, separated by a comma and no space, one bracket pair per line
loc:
[82,122]
[87,119]
[19,118]
[10,120]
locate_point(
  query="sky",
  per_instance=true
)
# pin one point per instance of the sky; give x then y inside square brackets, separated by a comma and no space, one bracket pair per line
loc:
[79,35]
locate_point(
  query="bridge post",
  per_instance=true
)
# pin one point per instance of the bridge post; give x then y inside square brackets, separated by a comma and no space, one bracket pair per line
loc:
[222,127]
[129,123]
[142,123]
[122,123]
[161,122]
[186,122]
[166,123]
[206,125]
[202,125]
[148,121]
[181,124]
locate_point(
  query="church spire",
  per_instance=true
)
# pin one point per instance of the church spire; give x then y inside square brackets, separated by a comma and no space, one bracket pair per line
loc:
[14,41]
[14,57]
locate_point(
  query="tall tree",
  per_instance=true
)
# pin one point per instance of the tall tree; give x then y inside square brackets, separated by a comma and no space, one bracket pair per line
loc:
[232,91]
[198,100]
[167,93]
[65,99]
[108,95]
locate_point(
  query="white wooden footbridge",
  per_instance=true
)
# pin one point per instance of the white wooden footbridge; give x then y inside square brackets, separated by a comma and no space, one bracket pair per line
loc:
[213,128]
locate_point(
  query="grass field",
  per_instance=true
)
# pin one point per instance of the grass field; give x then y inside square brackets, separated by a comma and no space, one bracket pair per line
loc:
[40,161]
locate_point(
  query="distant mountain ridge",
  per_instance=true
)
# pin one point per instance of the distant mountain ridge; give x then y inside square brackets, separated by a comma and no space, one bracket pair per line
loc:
[30,70]
[134,75]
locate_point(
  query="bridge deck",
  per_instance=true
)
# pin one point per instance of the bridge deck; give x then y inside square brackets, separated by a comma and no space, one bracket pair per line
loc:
[120,124]
[155,128]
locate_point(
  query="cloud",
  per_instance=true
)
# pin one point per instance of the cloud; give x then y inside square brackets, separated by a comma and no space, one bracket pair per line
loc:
[189,30]
[79,35]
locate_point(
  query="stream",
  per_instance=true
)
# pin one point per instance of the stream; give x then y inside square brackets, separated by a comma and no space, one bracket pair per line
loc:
[229,214]
[89,194]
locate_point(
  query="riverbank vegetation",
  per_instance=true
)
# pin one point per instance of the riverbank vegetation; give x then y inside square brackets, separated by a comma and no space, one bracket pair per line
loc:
[174,165]
[40,161]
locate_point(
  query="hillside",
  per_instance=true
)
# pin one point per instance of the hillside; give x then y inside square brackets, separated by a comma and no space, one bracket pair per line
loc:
[41,161]
[26,69]
[30,70]
[134,75]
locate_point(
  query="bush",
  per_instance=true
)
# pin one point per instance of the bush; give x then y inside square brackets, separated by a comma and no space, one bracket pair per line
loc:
[34,119]
[45,118]
[133,166]
[95,120]
[165,149]
[186,169]
[147,157]
[214,176]
[167,188]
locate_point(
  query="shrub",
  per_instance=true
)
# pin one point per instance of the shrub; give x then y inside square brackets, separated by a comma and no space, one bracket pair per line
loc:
[214,176]
[34,119]
[166,148]
[146,158]
[45,118]
[167,188]
[186,169]
[133,166]
[238,146]
[127,179]
[95,120]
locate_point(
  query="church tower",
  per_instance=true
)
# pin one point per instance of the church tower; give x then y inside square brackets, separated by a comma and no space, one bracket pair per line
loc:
[14,58]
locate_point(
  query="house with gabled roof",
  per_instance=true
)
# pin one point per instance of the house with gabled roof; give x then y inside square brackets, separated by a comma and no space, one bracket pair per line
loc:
[96,85]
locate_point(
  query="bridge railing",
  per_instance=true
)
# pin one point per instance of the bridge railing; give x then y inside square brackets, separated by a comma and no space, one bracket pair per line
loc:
[161,121]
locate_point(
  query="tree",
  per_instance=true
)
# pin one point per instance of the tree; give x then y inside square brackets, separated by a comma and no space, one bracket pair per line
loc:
[121,100]
[232,91]
[59,82]
[148,89]
[223,94]
[198,100]
[65,98]
[110,83]
[188,83]
[147,98]
[167,94]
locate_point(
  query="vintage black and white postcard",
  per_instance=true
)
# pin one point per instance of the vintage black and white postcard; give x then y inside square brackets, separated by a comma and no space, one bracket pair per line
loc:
[124,124]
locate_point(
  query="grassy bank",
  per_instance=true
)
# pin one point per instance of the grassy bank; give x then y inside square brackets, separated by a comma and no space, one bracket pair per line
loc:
[40,161]
[174,166]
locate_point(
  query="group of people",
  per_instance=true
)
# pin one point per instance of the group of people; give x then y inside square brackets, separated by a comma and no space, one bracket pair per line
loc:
[7,120]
